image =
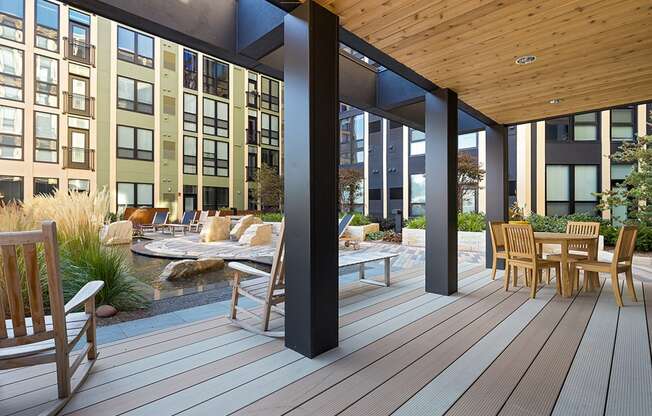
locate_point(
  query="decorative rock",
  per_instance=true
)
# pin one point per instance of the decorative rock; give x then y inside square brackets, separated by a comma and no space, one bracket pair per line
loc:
[216,229]
[105,311]
[183,269]
[242,225]
[119,232]
[257,235]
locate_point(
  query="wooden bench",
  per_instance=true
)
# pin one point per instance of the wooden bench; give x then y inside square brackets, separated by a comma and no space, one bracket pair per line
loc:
[361,259]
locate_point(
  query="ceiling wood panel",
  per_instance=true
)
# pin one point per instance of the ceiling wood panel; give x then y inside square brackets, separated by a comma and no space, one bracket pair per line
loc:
[590,53]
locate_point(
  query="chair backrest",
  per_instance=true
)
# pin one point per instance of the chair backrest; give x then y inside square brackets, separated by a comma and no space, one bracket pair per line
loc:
[277,274]
[591,229]
[344,222]
[203,216]
[187,217]
[497,236]
[624,250]
[519,241]
[161,217]
[16,246]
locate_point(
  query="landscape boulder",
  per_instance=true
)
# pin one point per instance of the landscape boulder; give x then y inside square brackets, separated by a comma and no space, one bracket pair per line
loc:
[215,229]
[184,269]
[105,311]
[119,232]
[242,225]
[257,235]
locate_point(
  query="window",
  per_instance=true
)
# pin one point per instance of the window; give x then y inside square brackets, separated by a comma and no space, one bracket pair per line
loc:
[135,143]
[467,141]
[570,188]
[269,129]
[11,133]
[190,112]
[46,137]
[618,174]
[189,197]
[135,47]
[11,188]
[45,186]
[585,127]
[47,25]
[79,48]
[270,158]
[190,155]
[46,91]
[12,14]
[252,90]
[189,70]
[215,198]
[352,140]
[11,73]
[77,155]
[134,95]
[557,129]
[216,158]
[216,118]
[269,94]
[79,185]
[417,142]
[417,195]
[216,78]
[135,194]
[622,124]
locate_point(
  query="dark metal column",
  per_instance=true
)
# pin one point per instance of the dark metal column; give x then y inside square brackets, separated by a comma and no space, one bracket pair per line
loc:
[496,179]
[311,159]
[441,201]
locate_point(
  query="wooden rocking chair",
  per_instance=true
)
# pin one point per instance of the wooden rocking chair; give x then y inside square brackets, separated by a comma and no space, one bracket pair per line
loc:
[45,339]
[268,290]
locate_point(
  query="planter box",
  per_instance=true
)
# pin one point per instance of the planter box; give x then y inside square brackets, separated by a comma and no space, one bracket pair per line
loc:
[466,241]
[359,232]
[414,237]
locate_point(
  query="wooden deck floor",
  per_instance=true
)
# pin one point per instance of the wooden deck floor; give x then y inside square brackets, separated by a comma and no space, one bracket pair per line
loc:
[483,351]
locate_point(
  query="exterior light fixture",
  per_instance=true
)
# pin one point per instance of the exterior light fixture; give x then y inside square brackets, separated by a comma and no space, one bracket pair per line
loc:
[555,101]
[525,59]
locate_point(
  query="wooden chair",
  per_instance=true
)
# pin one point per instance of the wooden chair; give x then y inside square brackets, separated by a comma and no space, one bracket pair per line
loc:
[620,263]
[42,339]
[581,250]
[522,253]
[267,289]
[497,244]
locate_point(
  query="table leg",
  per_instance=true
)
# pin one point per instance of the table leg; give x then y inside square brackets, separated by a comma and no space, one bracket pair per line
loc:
[361,271]
[566,283]
[387,270]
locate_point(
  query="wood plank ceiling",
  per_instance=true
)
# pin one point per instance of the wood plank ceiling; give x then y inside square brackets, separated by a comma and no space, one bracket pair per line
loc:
[590,54]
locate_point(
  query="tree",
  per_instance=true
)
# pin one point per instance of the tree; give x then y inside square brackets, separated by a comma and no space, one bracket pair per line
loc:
[268,187]
[469,176]
[350,188]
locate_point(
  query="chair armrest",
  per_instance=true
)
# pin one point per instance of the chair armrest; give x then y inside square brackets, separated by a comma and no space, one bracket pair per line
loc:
[87,292]
[247,269]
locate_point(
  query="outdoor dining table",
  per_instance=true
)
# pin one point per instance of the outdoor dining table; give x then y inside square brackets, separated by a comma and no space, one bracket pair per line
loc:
[564,240]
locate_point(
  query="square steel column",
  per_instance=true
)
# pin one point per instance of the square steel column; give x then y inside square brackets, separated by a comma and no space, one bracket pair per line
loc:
[496,178]
[311,160]
[441,188]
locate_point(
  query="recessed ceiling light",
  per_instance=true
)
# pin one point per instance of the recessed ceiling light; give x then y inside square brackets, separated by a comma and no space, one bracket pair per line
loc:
[525,59]
[555,101]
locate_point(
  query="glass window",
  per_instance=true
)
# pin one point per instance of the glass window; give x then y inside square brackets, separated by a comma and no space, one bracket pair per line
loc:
[269,94]
[190,68]
[216,158]
[47,25]
[269,129]
[11,189]
[135,47]
[570,189]
[557,129]
[352,140]
[135,143]
[134,95]
[47,81]
[417,142]
[12,13]
[215,198]
[11,133]
[135,194]
[79,17]
[586,182]
[45,186]
[79,185]
[557,183]
[417,194]
[619,172]
[622,124]
[190,112]
[79,101]
[46,137]
[216,78]
[190,155]
[467,141]
[270,158]
[585,127]
[11,73]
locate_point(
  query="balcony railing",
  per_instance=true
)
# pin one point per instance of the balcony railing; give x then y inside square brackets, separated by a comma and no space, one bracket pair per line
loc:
[79,51]
[253,136]
[78,158]
[78,104]
[252,173]
[252,99]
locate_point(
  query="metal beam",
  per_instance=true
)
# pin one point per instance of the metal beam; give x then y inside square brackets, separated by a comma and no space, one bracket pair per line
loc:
[496,181]
[311,159]
[441,191]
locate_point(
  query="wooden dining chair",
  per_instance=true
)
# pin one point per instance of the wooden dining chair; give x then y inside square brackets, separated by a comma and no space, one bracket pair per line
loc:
[497,244]
[40,338]
[580,250]
[522,253]
[621,262]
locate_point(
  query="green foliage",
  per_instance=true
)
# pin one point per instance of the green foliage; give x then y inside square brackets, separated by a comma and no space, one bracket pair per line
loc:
[416,223]
[644,238]
[359,219]
[271,216]
[375,235]
[392,237]
[470,221]
[558,224]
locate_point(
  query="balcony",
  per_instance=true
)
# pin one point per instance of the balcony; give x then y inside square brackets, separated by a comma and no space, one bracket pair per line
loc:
[252,99]
[253,137]
[78,104]
[252,173]
[77,51]
[78,158]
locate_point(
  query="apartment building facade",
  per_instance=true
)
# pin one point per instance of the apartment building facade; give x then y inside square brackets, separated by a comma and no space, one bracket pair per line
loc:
[87,103]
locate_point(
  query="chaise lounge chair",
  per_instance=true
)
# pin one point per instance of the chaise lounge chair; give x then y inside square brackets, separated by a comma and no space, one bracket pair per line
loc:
[160,219]
[342,226]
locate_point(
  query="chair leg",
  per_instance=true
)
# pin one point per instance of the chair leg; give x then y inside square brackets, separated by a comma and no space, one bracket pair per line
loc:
[493,268]
[234,296]
[506,278]
[515,276]
[534,282]
[558,278]
[266,312]
[539,276]
[548,276]
[89,308]
[630,285]
[616,289]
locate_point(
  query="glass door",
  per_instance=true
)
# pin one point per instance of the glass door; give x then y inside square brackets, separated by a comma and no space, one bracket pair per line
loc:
[79,96]
[79,42]
[78,148]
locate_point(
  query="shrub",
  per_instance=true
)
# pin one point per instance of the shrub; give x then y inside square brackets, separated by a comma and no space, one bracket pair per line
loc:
[271,216]
[392,237]
[359,219]
[416,223]
[376,235]
[470,221]
[385,224]
[556,224]
[644,238]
